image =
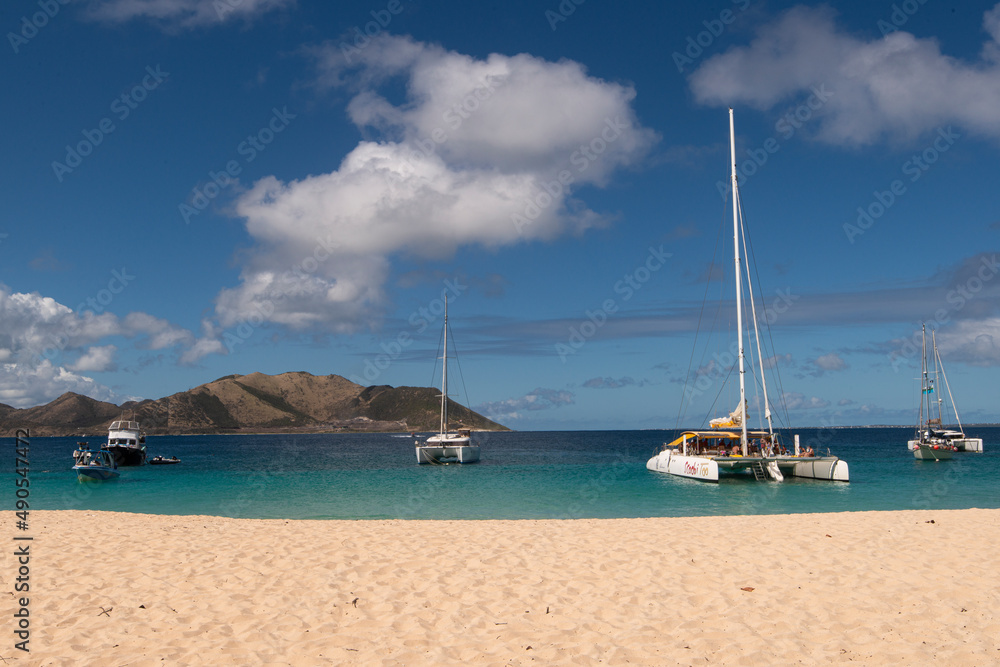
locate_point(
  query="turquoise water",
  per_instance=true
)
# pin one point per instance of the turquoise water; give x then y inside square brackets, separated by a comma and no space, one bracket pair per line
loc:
[579,474]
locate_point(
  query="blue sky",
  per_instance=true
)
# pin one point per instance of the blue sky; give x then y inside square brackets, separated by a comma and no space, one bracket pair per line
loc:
[195,188]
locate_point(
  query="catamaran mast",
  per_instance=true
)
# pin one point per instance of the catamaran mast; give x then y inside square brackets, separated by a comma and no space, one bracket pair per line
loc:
[923,383]
[739,286]
[444,373]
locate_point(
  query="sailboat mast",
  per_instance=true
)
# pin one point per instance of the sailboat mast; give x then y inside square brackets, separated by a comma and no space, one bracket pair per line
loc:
[923,381]
[444,373]
[739,286]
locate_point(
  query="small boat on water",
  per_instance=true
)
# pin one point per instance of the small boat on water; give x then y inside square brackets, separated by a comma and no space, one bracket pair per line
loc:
[728,447]
[94,465]
[126,442]
[162,461]
[446,446]
[934,441]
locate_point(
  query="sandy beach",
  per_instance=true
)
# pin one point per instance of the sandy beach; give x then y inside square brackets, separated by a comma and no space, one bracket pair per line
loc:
[910,587]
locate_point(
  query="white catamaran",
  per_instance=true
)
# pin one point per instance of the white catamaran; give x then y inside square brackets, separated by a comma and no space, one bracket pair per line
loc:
[447,447]
[934,441]
[729,447]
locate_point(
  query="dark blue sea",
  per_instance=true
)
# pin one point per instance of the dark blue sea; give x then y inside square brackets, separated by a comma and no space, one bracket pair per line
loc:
[522,475]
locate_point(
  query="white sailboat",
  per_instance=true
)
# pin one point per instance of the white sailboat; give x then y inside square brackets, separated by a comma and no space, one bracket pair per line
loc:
[933,440]
[447,446]
[728,447]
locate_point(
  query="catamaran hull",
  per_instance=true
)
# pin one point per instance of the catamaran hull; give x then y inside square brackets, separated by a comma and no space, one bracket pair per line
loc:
[708,470]
[968,444]
[692,467]
[447,453]
[960,444]
[825,467]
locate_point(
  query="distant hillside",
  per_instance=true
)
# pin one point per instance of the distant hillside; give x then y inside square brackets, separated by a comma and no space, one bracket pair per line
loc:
[286,403]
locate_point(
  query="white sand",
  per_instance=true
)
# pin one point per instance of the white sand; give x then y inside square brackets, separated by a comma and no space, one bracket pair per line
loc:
[866,588]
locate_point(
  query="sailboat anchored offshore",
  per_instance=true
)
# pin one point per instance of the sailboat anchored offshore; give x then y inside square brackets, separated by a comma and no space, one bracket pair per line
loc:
[446,446]
[728,447]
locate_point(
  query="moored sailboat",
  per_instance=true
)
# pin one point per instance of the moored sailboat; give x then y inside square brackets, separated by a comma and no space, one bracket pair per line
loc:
[933,440]
[447,446]
[728,446]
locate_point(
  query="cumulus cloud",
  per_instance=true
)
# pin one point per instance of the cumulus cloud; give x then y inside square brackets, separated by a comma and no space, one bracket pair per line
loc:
[830,362]
[539,399]
[897,85]
[173,14]
[974,342]
[36,331]
[472,156]
[96,359]
[23,385]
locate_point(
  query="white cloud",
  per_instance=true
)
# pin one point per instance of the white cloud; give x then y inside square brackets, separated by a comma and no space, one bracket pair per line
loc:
[974,342]
[514,408]
[23,386]
[830,362]
[797,401]
[96,359]
[37,331]
[182,13]
[897,85]
[473,144]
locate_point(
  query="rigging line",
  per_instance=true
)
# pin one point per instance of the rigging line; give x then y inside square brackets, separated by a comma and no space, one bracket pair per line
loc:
[460,374]
[682,404]
[756,324]
[782,404]
[947,386]
[436,357]
[722,388]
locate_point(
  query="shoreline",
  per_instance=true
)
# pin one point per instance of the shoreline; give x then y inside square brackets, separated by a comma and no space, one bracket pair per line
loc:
[893,587]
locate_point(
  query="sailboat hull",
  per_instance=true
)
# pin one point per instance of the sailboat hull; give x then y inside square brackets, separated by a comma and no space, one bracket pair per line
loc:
[933,453]
[692,467]
[709,469]
[960,444]
[440,449]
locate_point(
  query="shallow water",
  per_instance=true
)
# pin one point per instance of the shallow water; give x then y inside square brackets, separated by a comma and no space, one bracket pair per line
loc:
[578,474]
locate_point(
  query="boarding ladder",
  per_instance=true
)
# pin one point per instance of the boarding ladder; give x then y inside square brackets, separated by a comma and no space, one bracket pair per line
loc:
[759,473]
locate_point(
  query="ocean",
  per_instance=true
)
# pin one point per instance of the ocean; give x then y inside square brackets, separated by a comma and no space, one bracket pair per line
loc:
[522,475]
